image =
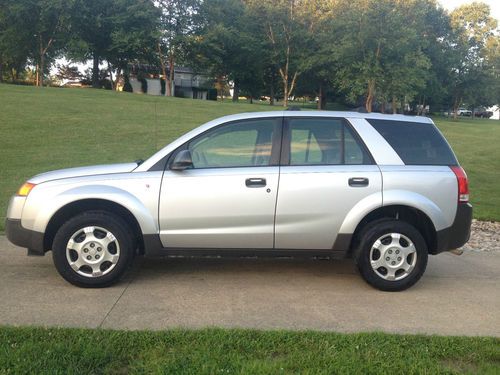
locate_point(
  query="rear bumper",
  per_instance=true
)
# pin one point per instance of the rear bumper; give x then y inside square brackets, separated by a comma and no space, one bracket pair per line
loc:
[459,233]
[23,237]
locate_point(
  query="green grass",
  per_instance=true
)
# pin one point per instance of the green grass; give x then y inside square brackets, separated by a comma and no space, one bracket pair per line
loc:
[47,128]
[477,145]
[218,351]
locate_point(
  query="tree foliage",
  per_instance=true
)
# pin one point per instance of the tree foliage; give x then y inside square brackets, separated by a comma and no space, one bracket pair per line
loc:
[388,55]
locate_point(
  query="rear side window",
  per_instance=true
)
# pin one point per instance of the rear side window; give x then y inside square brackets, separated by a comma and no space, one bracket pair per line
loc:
[324,141]
[416,143]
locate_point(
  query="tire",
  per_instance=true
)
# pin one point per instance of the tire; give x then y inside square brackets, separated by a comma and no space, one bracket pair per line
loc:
[93,249]
[399,251]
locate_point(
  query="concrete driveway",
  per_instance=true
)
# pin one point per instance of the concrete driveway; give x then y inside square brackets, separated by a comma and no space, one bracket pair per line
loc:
[458,295]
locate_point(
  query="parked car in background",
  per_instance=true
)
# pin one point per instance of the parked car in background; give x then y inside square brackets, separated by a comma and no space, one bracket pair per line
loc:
[386,190]
[464,112]
[482,113]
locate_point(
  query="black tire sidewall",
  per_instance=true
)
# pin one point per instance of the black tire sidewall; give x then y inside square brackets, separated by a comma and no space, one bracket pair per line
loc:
[108,221]
[373,232]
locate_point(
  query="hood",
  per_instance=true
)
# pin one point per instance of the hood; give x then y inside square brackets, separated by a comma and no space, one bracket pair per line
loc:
[83,171]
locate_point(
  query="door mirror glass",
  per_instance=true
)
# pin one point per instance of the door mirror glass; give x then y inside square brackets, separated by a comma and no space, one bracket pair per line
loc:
[182,161]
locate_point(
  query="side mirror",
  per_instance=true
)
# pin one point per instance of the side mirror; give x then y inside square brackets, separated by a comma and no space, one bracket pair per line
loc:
[182,161]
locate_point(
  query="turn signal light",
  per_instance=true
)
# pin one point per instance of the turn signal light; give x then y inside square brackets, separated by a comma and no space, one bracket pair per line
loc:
[25,189]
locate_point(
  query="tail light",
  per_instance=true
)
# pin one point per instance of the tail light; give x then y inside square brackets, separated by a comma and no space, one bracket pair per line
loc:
[463,183]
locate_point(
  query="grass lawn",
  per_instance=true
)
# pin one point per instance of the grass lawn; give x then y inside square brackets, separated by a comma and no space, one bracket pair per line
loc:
[217,351]
[47,128]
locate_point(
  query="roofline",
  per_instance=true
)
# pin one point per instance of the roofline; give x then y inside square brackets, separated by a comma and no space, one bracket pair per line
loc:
[279,113]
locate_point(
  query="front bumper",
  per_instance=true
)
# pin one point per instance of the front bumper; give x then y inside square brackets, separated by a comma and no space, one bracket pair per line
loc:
[459,233]
[23,237]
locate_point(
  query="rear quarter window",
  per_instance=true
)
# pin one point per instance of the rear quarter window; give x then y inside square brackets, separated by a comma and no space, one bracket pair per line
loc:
[416,143]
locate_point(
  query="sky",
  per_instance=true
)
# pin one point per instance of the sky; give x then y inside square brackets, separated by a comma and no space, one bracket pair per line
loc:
[494,5]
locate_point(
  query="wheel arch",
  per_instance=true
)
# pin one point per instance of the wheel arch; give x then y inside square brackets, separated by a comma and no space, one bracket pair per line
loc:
[72,209]
[419,219]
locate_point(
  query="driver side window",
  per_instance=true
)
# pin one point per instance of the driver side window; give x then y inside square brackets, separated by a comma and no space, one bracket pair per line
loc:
[238,144]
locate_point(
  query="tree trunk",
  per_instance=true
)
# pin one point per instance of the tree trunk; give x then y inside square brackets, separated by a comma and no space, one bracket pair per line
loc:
[117,78]
[95,71]
[220,88]
[456,104]
[164,71]
[320,97]
[370,95]
[285,92]
[42,67]
[394,106]
[171,68]
[382,107]
[110,71]
[236,91]
[271,94]
[251,99]
[1,72]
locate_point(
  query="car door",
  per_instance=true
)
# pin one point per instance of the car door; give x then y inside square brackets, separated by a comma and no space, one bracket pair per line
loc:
[228,198]
[325,171]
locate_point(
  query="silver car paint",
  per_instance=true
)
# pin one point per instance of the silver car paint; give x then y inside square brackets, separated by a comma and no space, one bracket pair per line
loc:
[15,208]
[83,171]
[138,190]
[381,151]
[432,189]
[314,200]
[213,208]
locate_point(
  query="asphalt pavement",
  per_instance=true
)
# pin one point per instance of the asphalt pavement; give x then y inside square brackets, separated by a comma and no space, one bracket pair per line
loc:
[458,295]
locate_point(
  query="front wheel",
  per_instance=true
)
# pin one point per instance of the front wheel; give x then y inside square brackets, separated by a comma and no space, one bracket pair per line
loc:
[93,249]
[392,255]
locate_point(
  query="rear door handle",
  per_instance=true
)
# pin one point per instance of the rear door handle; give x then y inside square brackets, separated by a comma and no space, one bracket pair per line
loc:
[255,182]
[358,181]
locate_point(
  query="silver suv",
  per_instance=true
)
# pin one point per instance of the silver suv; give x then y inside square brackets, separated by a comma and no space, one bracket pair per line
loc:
[386,190]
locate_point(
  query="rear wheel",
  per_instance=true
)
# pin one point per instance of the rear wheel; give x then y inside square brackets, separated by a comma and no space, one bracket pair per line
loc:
[392,255]
[93,249]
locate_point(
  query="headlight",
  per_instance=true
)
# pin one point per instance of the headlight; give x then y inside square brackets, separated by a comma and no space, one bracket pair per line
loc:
[25,189]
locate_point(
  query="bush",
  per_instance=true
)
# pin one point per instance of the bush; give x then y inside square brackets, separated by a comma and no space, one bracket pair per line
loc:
[179,93]
[127,87]
[141,77]
[212,94]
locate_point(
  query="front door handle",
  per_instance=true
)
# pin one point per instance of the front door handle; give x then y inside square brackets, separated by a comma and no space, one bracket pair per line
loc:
[255,182]
[358,181]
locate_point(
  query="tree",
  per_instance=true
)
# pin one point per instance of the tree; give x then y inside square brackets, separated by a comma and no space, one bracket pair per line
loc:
[50,31]
[34,30]
[380,52]
[68,72]
[135,30]
[284,25]
[92,27]
[472,27]
[177,22]
[15,39]
[227,48]
[493,61]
